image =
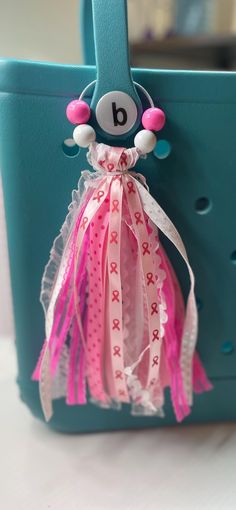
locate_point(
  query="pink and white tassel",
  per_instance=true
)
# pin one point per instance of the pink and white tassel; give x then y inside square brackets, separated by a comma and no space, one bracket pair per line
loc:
[117,329]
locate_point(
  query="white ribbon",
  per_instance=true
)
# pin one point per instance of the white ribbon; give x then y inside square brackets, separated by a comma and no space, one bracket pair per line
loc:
[190,329]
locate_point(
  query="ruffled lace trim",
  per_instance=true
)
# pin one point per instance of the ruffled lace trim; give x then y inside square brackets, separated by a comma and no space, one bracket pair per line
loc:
[87,179]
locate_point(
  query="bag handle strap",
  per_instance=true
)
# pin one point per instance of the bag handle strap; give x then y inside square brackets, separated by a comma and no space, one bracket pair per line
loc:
[104,30]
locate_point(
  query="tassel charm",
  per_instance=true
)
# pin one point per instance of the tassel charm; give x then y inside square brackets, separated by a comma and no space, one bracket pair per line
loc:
[117,329]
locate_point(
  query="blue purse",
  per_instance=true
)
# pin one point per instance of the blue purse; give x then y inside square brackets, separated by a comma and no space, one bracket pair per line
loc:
[195,185]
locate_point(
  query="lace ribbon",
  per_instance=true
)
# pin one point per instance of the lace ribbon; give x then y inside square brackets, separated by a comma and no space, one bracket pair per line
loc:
[189,336]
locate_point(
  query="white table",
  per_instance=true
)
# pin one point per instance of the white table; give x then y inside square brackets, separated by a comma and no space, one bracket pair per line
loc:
[190,468]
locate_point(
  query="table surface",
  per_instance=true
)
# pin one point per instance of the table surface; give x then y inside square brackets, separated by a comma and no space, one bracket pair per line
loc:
[192,468]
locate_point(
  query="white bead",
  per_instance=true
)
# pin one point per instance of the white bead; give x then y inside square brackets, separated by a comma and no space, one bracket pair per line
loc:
[83,135]
[145,141]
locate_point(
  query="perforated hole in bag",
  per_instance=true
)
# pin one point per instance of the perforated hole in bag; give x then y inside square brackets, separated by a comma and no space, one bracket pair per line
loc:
[162,149]
[70,148]
[227,347]
[203,205]
[233,257]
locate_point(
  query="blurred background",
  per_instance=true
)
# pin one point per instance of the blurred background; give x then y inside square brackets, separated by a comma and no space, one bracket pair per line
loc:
[198,34]
[183,34]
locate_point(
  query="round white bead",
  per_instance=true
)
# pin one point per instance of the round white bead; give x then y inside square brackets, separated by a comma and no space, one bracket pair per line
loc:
[83,135]
[145,141]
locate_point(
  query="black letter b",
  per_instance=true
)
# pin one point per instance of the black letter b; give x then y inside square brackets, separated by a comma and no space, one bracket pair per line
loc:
[115,112]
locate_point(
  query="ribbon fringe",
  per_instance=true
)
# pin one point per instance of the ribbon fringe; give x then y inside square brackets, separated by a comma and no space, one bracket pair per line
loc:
[114,303]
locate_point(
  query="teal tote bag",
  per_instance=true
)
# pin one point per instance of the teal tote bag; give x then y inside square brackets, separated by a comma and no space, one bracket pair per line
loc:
[195,185]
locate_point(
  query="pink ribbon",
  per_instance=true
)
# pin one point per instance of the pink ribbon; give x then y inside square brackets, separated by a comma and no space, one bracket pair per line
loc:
[148,267]
[45,381]
[115,290]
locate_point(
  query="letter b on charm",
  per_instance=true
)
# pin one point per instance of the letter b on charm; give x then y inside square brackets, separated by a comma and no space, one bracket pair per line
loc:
[120,116]
[116,113]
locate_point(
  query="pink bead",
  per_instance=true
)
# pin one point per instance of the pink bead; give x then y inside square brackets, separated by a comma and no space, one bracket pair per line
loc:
[78,112]
[153,119]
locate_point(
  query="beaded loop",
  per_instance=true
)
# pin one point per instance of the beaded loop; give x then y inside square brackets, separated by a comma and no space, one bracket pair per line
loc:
[153,119]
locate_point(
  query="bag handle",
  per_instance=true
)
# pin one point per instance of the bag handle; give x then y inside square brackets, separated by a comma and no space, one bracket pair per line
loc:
[104,30]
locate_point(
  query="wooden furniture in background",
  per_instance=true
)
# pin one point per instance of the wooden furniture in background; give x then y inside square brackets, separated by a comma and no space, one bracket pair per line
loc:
[203,52]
